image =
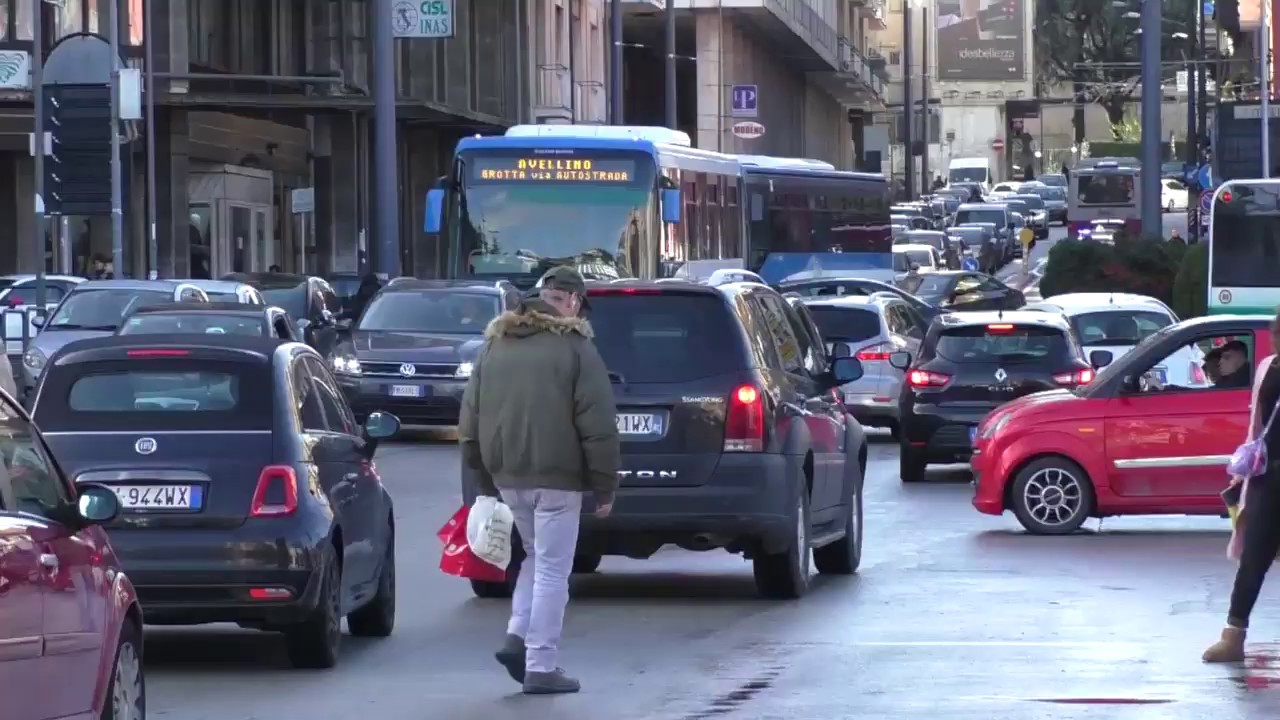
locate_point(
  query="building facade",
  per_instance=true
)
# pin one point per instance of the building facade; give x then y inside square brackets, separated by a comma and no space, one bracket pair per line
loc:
[264,125]
[801,63]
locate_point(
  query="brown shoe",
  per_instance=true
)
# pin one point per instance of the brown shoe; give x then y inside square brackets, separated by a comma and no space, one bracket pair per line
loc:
[1227,650]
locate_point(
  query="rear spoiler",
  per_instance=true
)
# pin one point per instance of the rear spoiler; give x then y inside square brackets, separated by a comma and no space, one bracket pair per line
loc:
[160,350]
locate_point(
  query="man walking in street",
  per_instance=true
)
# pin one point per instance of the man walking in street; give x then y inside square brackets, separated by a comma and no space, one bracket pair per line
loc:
[538,424]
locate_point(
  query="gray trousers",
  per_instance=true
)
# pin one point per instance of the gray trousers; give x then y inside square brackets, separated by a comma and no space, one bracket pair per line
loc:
[548,525]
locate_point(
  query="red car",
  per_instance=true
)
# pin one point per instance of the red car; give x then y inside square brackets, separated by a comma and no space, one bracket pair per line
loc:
[1128,443]
[70,623]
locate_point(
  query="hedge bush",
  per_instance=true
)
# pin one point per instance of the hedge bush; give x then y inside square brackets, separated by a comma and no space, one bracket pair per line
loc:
[1146,267]
[1191,284]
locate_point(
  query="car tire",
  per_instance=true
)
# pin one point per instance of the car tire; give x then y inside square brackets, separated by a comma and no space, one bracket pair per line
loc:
[499,590]
[315,642]
[785,575]
[1052,496]
[378,616]
[1169,206]
[911,465]
[843,556]
[587,563]
[127,689]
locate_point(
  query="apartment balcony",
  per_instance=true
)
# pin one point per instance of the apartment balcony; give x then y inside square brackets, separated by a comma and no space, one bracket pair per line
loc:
[793,27]
[593,106]
[876,13]
[853,83]
[553,95]
[879,65]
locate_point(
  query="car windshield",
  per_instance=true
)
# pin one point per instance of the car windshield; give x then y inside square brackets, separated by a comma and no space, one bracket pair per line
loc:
[194,323]
[995,216]
[430,311]
[1035,202]
[1053,194]
[936,240]
[102,309]
[845,324]
[1003,342]
[1054,180]
[969,174]
[667,338]
[1117,327]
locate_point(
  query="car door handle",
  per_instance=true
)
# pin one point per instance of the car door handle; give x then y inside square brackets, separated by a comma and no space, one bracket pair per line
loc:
[49,561]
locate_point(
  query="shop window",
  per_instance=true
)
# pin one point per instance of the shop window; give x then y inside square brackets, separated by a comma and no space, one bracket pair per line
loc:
[70,18]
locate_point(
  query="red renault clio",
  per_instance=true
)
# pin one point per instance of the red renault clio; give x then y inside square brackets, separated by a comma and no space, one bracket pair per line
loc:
[1130,442]
[70,623]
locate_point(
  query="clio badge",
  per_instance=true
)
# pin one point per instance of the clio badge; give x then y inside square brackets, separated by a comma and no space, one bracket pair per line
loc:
[1001,375]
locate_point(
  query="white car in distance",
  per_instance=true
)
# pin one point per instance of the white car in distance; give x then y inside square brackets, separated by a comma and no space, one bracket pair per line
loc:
[1117,322]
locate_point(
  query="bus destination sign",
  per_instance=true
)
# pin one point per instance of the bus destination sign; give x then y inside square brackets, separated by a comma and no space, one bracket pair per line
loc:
[552,169]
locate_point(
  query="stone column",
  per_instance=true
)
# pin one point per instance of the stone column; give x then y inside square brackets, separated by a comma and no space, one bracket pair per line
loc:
[173,164]
[709,34]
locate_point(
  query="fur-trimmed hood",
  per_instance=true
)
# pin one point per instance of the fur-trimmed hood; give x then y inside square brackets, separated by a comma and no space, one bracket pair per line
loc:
[534,317]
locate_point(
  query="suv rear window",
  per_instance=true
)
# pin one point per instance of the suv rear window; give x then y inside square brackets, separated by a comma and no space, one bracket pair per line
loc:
[847,324]
[157,395]
[993,215]
[667,338]
[1004,343]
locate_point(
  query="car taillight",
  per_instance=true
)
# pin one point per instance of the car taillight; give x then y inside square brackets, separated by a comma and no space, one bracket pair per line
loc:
[873,352]
[276,494]
[1074,377]
[744,423]
[926,379]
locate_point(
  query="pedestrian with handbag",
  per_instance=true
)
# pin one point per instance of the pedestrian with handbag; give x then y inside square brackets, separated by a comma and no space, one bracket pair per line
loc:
[1255,538]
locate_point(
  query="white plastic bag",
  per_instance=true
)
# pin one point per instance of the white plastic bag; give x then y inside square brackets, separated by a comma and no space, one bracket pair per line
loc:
[489,531]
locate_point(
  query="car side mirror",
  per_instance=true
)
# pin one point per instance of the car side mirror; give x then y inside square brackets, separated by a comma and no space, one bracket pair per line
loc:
[900,360]
[303,325]
[377,427]
[846,370]
[1100,359]
[434,212]
[97,504]
[841,350]
[670,205]
[37,320]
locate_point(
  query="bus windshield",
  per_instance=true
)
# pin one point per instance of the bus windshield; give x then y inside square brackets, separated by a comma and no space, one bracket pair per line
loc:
[1244,241]
[518,214]
[967,174]
[1105,189]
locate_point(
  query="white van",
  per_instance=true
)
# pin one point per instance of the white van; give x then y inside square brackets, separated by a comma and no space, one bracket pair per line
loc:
[971,169]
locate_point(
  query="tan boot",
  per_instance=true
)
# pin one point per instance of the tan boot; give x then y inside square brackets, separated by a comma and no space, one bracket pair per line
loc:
[1229,649]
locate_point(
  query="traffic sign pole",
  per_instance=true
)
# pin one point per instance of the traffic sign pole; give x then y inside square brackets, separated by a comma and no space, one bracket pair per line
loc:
[37,144]
[117,204]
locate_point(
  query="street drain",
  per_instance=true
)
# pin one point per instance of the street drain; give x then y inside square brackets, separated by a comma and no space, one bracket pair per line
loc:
[736,698]
[1103,701]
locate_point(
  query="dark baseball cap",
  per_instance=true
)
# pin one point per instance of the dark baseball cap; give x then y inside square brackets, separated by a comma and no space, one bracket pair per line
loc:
[566,279]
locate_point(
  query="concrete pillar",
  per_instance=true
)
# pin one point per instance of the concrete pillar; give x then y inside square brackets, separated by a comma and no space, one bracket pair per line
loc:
[709,33]
[338,175]
[173,166]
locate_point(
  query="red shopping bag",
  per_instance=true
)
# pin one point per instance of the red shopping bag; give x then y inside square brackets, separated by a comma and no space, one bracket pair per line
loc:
[457,558]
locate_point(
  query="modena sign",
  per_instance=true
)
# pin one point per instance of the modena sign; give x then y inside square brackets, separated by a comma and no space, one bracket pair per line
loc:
[748,130]
[422,18]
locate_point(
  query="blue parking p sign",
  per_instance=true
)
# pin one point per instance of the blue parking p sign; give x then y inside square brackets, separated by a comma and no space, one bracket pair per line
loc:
[744,100]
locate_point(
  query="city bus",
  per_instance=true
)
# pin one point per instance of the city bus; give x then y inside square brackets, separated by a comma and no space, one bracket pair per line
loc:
[1103,193]
[1244,248]
[641,202]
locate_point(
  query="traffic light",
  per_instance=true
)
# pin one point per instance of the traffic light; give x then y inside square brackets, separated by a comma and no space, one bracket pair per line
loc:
[77,173]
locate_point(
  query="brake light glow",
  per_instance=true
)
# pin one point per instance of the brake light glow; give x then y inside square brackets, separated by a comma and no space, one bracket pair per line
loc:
[270,593]
[624,291]
[1075,377]
[1226,196]
[873,352]
[157,352]
[276,494]
[1000,328]
[1197,375]
[744,422]
[926,379]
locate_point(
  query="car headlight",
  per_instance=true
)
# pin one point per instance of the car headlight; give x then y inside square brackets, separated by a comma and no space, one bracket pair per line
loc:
[346,365]
[34,359]
[464,370]
[991,429]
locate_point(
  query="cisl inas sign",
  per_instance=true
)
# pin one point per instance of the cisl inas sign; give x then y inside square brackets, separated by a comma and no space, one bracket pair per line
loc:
[422,18]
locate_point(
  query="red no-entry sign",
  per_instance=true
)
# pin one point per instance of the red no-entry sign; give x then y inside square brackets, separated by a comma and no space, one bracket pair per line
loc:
[997,144]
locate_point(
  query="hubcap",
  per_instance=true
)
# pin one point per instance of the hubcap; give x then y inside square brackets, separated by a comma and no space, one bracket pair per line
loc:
[1053,496]
[126,688]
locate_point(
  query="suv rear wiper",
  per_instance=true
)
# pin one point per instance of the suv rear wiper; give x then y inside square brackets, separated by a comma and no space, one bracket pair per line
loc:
[616,378]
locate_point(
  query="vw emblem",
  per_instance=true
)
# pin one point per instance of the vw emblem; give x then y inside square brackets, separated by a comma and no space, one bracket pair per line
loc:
[408,370]
[145,446]
[1001,375]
